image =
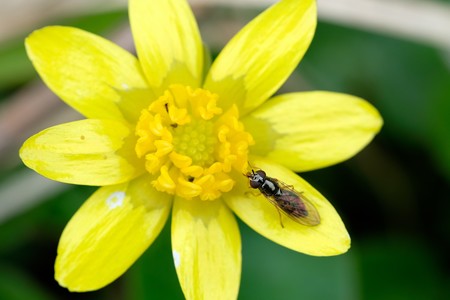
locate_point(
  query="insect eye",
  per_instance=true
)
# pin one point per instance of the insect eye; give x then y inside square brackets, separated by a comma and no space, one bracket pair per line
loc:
[261,173]
[255,183]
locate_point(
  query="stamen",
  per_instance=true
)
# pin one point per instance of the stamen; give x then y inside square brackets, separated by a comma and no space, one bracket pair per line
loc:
[190,145]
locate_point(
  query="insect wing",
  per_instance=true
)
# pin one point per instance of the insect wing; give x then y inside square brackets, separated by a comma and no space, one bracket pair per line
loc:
[296,205]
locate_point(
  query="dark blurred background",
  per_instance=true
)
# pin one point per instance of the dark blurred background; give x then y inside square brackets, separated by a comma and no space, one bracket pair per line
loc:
[394,196]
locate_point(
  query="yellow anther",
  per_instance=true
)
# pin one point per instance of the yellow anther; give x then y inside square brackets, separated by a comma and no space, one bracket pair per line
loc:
[188,189]
[179,160]
[164,182]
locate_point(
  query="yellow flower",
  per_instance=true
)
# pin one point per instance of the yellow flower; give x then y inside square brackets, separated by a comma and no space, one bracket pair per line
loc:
[160,135]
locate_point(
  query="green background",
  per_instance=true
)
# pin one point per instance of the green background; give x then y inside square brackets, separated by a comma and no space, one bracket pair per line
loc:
[394,196]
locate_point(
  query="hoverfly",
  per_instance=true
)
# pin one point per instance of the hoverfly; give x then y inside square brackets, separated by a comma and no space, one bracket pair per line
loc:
[293,204]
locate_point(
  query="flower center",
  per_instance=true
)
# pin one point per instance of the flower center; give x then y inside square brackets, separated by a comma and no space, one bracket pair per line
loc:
[196,140]
[191,145]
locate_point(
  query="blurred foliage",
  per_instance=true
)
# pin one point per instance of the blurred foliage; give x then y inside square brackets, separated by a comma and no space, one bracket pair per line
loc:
[409,83]
[16,69]
[393,196]
[398,268]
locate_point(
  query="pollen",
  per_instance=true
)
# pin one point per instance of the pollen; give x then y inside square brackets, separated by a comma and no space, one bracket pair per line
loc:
[193,148]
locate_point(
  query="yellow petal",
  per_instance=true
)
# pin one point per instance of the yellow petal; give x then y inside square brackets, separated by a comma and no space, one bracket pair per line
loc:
[168,42]
[206,249]
[258,60]
[89,152]
[328,238]
[83,69]
[108,233]
[132,101]
[311,130]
